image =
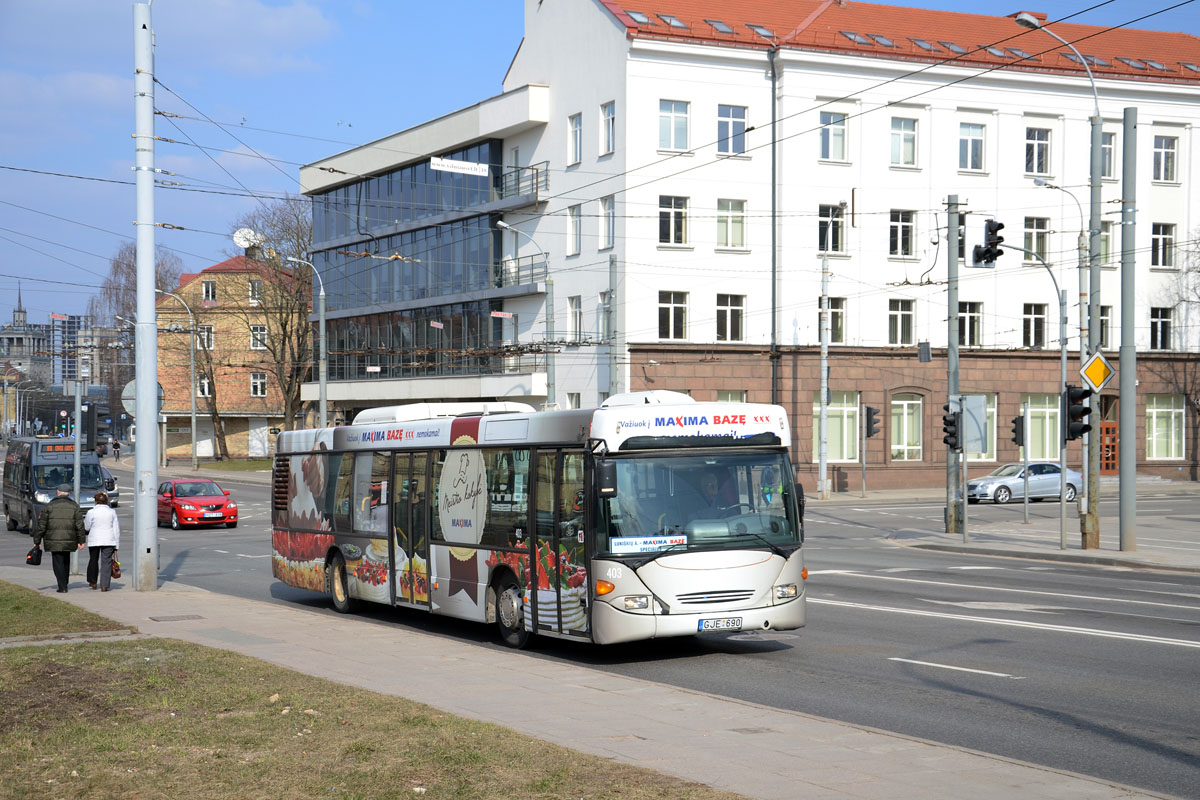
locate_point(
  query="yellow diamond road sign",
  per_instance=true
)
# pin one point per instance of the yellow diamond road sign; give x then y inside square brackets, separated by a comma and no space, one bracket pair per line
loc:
[1097,372]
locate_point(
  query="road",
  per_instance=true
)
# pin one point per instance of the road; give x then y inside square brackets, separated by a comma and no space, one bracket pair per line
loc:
[1084,668]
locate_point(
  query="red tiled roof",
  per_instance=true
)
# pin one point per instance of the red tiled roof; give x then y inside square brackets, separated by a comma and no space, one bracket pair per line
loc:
[818,25]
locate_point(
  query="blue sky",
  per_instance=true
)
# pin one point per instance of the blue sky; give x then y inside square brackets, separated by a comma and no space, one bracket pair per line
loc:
[291,80]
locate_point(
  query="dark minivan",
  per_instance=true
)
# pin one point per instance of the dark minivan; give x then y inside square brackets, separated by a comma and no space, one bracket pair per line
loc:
[33,469]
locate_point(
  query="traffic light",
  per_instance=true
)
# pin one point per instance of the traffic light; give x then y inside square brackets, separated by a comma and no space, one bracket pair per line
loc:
[1075,425]
[989,251]
[872,421]
[1018,431]
[952,425]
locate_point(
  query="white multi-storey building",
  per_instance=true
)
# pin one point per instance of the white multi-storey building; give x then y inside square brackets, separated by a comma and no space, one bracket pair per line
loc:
[650,201]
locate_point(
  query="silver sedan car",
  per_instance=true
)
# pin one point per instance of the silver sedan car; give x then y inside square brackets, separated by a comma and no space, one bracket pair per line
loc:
[1008,481]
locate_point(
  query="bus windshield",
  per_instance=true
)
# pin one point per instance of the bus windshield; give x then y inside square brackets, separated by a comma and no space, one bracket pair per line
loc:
[49,476]
[680,503]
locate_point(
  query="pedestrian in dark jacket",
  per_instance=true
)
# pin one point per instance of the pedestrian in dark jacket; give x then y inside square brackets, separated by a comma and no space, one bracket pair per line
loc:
[61,526]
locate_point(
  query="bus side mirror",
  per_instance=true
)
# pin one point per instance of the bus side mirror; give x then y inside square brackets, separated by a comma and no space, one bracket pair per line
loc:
[800,499]
[606,477]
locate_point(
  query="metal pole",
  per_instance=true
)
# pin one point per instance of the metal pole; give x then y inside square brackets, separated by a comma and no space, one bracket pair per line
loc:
[952,241]
[550,388]
[775,259]
[324,358]
[823,420]
[191,373]
[145,481]
[1025,458]
[78,447]
[862,447]
[1062,447]
[1127,400]
[1091,521]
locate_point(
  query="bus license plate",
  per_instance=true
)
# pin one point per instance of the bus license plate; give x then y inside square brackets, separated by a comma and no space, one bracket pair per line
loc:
[721,624]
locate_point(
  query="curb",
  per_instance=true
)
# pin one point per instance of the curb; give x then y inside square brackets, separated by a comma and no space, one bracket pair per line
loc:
[1066,558]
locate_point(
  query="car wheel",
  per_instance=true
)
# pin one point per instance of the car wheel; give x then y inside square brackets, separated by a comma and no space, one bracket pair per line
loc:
[510,613]
[1002,496]
[1071,492]
[12,523]
[174,520]
[231,524]
[338,581]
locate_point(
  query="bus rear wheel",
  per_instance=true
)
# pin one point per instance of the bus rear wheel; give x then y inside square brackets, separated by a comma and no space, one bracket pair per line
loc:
[338,585]
[510,614]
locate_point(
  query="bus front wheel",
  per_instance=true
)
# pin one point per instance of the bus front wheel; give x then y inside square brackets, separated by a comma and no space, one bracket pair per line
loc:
[338,589]
[510,614]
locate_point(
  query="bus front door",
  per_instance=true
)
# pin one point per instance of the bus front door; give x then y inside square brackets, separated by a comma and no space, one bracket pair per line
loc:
[560,563]
[411,556]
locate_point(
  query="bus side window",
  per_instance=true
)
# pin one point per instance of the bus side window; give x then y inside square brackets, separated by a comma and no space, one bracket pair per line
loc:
[343,493]
[508,497]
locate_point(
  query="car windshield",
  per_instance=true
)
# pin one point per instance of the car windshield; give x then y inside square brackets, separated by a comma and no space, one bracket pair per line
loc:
[1007,471]
[50,476]
[197,489]
[699,502]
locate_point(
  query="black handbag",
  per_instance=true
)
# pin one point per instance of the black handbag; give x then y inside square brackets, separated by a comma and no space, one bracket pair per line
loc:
[34,557]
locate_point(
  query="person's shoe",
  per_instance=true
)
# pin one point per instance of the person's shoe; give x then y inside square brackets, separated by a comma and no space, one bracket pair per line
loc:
[92,585]
[61,591]
[104,589]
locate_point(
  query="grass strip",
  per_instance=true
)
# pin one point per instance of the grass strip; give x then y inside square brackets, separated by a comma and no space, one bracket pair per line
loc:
[24,612]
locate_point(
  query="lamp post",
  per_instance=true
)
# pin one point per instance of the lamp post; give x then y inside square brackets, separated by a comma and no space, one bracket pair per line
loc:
[191,369]
[21,411]
[1090,528]
[323,355]
[550,389]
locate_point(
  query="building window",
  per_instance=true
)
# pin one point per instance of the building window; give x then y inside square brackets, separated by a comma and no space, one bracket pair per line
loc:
[1106,229]
[989,435]
[258,384]
[904,142]
[255,292]
[906,427]
[574,231]
[1033,325]
[731,130]
[1037,151]
[1108,149]
[837,320]
[203,386]
[258,337]
[833,136]
[841,426]
[731,223]
[573,399]
[830,227]
[208,292]
[900,322]
[1037,230]
[731,395]
[1044,435]
[575,138]
[1164,426]
[672,315]
[672,219]
[970,146]
[608,128]
[729,317]
[902,233]
[575,321]
[204,337]
[608,222]
[1106,327]
[1162,244]
[970,324]
[1160,329]
[1165,148]
[605,316]
[672,125]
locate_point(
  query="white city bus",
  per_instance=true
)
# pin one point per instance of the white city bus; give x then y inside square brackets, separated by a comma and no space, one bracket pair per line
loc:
[651,516]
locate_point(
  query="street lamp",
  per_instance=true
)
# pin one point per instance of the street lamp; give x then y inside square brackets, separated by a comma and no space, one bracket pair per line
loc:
[323,354]
[191,366]
[1091,524]
[550,389]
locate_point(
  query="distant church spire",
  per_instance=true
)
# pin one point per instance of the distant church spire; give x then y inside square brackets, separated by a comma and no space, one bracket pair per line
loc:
[19,311]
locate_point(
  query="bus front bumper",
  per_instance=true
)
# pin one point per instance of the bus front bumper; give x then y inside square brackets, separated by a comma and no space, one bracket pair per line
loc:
[610,625]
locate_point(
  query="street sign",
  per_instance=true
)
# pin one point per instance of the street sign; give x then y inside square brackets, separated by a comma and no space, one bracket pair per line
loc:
[1097,372]
[129,397]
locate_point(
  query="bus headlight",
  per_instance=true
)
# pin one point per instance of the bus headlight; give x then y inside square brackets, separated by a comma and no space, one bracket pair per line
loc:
[637,602]
[42,497]
[786,591]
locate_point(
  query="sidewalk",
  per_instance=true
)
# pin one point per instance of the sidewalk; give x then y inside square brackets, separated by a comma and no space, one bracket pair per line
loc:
[750,749]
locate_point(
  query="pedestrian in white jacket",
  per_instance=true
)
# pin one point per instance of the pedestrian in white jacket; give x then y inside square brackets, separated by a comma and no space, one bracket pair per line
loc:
[104,534]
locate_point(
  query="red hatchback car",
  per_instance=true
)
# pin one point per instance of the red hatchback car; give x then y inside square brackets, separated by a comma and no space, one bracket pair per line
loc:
[195,501]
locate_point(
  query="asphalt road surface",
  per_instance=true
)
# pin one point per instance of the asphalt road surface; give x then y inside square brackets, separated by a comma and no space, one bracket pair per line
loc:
[1086,668]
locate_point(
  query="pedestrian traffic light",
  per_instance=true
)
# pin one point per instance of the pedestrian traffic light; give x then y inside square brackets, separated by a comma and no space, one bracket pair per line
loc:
[872,421]
[1018,431]
[1075,424]
[989,251]
[951,425]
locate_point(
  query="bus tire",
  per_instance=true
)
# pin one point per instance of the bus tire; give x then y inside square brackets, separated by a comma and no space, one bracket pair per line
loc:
[510,616]
[337,582]
[12,523]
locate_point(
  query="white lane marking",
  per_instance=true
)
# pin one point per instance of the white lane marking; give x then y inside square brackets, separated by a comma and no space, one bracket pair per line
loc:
[1024,608]
[959,669]
[1016,623]
[977,568]
[226,552]
[831,572]
[243,555]
[1017,591]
